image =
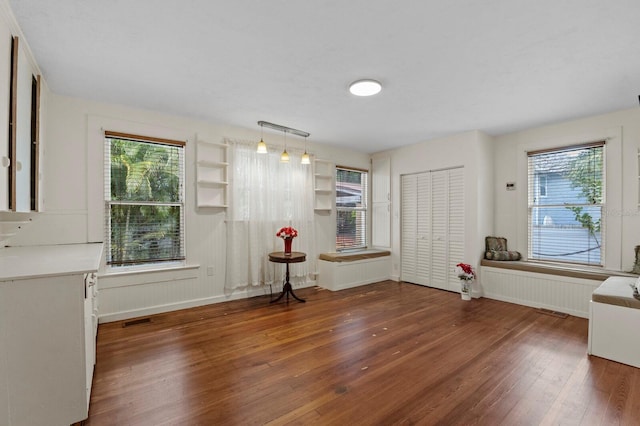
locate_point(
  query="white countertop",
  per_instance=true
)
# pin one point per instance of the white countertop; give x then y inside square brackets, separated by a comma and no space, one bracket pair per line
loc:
[42,261]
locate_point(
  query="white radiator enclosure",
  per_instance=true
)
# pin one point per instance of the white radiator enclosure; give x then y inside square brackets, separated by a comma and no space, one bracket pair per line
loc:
[554,292]
[336,276]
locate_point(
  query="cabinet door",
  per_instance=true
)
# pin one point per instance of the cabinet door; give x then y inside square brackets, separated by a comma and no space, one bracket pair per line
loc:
[381,180]
[381,224]
[5,81]
[381,202]
[4,396]
[90,281]
[46,381]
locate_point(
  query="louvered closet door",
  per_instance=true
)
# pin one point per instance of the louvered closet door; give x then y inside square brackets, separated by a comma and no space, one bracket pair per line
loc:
[455,227]
[408,228]
[423,243]
[432,228]
[439,220]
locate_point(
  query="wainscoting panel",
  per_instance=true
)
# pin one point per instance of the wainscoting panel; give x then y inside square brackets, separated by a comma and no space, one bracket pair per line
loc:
[557,293]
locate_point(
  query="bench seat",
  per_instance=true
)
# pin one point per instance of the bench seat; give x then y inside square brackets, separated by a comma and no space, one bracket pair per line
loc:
[614,318]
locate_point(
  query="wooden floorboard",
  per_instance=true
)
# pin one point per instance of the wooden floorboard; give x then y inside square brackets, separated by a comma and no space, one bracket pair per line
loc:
[386,353]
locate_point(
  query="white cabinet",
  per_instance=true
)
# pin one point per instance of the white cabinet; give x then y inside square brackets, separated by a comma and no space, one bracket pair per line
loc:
[323,185]
[211,174]
[47,333]
[381,202]
[19,126]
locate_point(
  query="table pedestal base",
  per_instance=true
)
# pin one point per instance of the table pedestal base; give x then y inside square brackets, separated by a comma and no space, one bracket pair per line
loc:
[286,290]
[287,258]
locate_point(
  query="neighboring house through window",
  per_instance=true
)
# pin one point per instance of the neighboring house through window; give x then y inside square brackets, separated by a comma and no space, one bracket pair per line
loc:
[351,208]
[566,204]
[144,200]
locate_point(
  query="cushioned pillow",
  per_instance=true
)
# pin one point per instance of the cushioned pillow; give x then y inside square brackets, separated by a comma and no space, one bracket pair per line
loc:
[502,255]
[495,244]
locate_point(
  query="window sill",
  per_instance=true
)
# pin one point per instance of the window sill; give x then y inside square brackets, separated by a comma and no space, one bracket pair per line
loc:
[573,271]
[148,269]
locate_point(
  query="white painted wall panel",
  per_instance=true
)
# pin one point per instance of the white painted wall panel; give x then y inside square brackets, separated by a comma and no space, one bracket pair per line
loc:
[557,293]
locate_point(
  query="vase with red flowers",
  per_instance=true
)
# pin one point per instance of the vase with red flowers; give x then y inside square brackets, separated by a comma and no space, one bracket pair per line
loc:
[287,233]
[466,274]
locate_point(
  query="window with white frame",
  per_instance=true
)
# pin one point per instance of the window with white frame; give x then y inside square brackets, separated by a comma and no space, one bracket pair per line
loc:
[351,208]
[144,199]
[566,204]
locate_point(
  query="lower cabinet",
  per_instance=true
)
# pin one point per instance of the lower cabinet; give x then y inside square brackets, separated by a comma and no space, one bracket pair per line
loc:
[47,349]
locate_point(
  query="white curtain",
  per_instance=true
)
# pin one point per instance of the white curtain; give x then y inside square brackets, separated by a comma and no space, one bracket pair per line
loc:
[266,195]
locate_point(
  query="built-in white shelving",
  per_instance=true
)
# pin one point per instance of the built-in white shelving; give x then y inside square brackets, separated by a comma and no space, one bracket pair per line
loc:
[211,174]
[323,185]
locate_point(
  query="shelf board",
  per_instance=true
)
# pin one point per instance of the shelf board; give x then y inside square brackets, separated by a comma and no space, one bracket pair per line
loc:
[213,206]
[215,164]
[323,191]
[322,209]
[323,176]
[203,143]
[212,183]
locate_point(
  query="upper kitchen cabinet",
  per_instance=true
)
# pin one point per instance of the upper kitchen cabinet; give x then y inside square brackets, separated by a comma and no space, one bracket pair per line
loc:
[19,124]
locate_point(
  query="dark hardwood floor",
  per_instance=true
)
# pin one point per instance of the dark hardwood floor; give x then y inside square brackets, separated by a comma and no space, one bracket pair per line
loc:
[387,353]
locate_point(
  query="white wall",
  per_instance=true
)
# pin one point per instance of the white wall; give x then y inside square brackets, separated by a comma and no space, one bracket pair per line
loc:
[70,183]
[622,131]
[471,150]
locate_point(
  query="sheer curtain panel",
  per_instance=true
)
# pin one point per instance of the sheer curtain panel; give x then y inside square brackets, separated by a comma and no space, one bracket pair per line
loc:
[266,195]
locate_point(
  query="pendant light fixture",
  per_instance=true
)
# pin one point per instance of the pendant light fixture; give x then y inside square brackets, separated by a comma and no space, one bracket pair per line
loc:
[284,157]
[305,157]
[262,147]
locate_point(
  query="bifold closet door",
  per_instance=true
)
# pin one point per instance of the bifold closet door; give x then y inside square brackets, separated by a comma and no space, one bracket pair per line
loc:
[455,225]
[409,228]
[432,227]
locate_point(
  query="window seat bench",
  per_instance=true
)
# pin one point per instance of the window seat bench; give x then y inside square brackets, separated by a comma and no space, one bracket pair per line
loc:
[561,288]
[339,271]
[613,321]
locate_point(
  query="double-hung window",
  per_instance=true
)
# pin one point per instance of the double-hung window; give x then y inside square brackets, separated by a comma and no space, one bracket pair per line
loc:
[566,204]
[351,208]
[144,199]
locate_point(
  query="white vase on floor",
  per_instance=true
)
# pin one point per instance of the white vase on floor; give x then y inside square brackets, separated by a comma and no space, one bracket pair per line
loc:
[465,289]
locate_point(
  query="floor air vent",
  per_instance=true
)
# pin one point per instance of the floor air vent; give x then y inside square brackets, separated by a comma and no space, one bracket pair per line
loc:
[136,322]
[552,313]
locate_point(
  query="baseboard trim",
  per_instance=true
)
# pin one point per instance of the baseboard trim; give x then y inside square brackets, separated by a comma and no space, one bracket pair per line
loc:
[160,309]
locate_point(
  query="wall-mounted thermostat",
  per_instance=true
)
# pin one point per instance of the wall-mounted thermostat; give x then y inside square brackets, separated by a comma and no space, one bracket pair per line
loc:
[511,186]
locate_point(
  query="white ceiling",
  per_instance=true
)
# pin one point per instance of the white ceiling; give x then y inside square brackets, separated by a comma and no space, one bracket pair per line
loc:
[446,66]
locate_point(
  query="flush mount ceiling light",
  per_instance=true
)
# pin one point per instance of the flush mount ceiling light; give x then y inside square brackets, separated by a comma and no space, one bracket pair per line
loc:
[365,87]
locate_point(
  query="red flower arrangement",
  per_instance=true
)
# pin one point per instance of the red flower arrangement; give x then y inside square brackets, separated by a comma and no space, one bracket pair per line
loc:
[287,232]
[465,271]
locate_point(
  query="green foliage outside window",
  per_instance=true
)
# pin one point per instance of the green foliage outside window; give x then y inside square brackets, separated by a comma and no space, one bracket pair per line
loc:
[145,206]
[585,174]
